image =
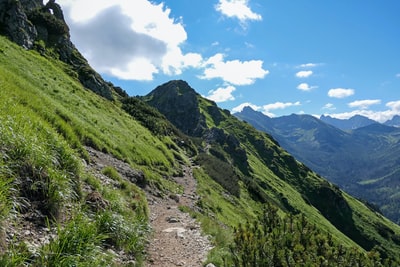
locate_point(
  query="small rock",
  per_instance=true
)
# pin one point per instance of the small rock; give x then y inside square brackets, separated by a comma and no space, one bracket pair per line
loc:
[210,265]
[173,220]
[175,197]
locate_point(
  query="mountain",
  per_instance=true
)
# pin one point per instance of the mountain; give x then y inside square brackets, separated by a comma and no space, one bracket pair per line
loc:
[82,170]
[364,161]
[395,121]
[352,123]
[267,172]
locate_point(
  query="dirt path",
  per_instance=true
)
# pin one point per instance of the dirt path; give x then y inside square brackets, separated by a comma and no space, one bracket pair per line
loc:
[177,239]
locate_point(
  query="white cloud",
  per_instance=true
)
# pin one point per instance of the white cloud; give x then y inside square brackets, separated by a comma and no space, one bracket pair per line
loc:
[243,105]
[266,109]
[115,36]
[304,74]
[137,69]
[379,116]
[237,9]
[398,75]
[394,106]
[364,104]
[222,94]
[329,106]
[280,105]
[306,87]
[308,65]
[340,92]
[234,72]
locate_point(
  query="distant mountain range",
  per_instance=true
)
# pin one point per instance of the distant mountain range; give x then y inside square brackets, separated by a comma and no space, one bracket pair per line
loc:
[357,121]
[364,161]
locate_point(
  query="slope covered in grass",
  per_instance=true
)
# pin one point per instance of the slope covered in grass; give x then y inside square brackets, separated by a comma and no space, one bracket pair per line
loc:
[46,119]
[251,169]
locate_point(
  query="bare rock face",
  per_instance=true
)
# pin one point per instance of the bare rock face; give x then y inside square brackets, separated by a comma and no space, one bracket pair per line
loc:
[33,25]
[14,22]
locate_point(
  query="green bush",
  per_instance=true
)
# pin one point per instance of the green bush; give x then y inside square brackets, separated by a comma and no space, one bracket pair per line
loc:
[122,233]
[293,241]
[111,173]
[77,244]
[221,172]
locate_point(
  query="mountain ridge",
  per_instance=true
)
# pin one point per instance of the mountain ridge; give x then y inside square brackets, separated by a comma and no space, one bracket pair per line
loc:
[341,156]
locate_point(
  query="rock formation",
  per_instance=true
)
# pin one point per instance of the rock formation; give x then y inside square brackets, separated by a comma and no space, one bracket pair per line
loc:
[33,25]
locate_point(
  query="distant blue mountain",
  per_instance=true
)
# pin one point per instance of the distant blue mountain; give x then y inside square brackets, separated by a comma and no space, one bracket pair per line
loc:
[354,122]
[358,154]
[395,121]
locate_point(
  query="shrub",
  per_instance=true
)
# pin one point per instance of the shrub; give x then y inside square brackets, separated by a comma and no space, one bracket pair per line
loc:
[221,172]
[111,173]
[77,244]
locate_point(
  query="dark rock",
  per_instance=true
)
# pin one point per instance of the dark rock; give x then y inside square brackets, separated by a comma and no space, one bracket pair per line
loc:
[96,202]
[173,220]
[14,22]
[33,25]
[179,103]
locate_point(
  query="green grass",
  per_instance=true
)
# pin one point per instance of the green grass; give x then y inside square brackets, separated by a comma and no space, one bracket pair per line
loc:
[46,120]
[80,116]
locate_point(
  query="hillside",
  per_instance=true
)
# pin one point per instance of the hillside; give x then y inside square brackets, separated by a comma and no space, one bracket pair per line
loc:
[259,169]
[364,161]
[82,172]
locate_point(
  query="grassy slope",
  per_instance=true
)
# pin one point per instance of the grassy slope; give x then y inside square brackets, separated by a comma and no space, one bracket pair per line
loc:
[293,188]
[46,119]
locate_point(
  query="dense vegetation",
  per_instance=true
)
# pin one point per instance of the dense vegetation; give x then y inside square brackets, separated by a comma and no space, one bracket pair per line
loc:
[46,120]
[293,241]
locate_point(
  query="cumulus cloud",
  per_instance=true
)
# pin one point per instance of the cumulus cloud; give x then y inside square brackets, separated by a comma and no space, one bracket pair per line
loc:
[364,104]
[304,74]
[280,105]
[306,87]
[238,9]
[222,94]
[243,105]
[394,106]
[340,92]
[129,39]
[234,72]
[379,116]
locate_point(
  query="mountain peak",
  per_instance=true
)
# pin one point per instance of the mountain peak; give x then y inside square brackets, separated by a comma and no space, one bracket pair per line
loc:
[395,121]
[179,103]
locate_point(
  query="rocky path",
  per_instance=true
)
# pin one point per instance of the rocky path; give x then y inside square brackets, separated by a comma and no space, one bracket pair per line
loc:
[177,239]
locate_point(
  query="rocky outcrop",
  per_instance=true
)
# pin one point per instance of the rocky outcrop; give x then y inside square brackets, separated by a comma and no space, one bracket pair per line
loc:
[14,22]
[33,25]
[179,103]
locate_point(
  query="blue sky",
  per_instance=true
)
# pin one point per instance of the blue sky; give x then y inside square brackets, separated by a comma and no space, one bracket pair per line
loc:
[336,57]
